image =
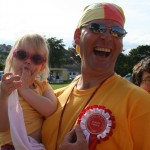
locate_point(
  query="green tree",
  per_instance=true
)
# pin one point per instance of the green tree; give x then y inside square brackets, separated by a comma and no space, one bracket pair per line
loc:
[72,57]
[59,56]
[125,63]
[56,52]
[4,51]
[1,66]
[135,55]
[122,65]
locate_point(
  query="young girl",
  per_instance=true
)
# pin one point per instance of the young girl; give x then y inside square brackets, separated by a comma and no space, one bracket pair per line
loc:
[26,70]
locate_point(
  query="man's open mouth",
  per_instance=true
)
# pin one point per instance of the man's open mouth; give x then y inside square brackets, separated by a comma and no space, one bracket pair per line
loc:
[104,52]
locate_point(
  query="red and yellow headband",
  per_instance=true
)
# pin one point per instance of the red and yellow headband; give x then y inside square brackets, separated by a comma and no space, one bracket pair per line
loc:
[102,11]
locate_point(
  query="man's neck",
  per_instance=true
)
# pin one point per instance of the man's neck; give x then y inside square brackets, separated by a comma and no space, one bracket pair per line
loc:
[87,81]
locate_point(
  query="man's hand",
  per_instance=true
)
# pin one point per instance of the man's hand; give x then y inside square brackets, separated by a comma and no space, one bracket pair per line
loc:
[74,140]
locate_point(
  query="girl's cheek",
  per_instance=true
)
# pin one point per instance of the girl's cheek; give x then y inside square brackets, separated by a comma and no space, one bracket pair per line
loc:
[36,70]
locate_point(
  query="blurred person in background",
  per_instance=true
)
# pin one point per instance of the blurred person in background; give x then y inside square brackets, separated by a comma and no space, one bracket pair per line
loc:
[141,74]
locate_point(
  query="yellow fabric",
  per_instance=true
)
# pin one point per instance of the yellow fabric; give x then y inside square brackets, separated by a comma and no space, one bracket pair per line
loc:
[33,120]
[93,15]
[102,11]
[129,104]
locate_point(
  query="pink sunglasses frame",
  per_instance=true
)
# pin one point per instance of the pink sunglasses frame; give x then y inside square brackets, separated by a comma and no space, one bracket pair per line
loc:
[28,56]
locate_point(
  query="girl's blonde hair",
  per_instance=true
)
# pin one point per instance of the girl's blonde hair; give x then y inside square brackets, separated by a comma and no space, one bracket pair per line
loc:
[38,43]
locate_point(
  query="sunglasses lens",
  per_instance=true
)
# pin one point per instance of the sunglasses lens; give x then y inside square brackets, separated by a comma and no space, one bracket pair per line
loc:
[97,28]
[21,54]
[117,32]
[100,28]
[37,59]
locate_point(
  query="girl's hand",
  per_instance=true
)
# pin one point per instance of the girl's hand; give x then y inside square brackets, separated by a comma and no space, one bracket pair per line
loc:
[27,79]
[9,83]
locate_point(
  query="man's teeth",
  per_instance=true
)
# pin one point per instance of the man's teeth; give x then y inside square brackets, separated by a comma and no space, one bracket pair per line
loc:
[102,49]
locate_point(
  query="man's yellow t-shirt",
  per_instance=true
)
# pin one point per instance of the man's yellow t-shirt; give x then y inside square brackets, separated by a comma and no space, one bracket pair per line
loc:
[129,104]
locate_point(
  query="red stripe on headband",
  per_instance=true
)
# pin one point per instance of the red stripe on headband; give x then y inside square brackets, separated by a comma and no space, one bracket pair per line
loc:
[113,12]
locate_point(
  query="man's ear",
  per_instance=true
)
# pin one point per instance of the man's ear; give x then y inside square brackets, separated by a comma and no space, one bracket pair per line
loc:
[77,34]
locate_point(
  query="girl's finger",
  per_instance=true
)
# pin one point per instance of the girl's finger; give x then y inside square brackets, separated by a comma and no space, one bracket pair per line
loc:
[6,76]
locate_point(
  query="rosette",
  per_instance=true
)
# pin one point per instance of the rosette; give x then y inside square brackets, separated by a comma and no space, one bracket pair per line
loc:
[97,123]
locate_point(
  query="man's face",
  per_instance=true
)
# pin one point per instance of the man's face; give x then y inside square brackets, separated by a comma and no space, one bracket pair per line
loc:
[99,51]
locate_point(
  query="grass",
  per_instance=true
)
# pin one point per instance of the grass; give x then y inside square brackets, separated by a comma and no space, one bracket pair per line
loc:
[57,85]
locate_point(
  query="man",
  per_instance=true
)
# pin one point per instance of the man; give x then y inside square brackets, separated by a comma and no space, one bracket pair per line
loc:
[112,113]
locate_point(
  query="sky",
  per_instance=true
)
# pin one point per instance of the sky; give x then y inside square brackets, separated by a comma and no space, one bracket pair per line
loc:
[59,18]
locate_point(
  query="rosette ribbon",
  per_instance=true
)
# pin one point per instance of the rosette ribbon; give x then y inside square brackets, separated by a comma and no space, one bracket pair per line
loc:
[97,123]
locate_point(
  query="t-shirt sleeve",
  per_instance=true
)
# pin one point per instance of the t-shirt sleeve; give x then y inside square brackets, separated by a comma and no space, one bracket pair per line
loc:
[45,86]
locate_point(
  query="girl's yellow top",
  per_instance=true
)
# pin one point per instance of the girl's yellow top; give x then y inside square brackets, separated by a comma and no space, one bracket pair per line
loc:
[33,120]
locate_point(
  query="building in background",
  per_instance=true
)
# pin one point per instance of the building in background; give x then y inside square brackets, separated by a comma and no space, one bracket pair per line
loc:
[60,75]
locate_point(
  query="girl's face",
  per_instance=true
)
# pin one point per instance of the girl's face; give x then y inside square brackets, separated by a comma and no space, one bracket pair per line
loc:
[26,58]
[145,84]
